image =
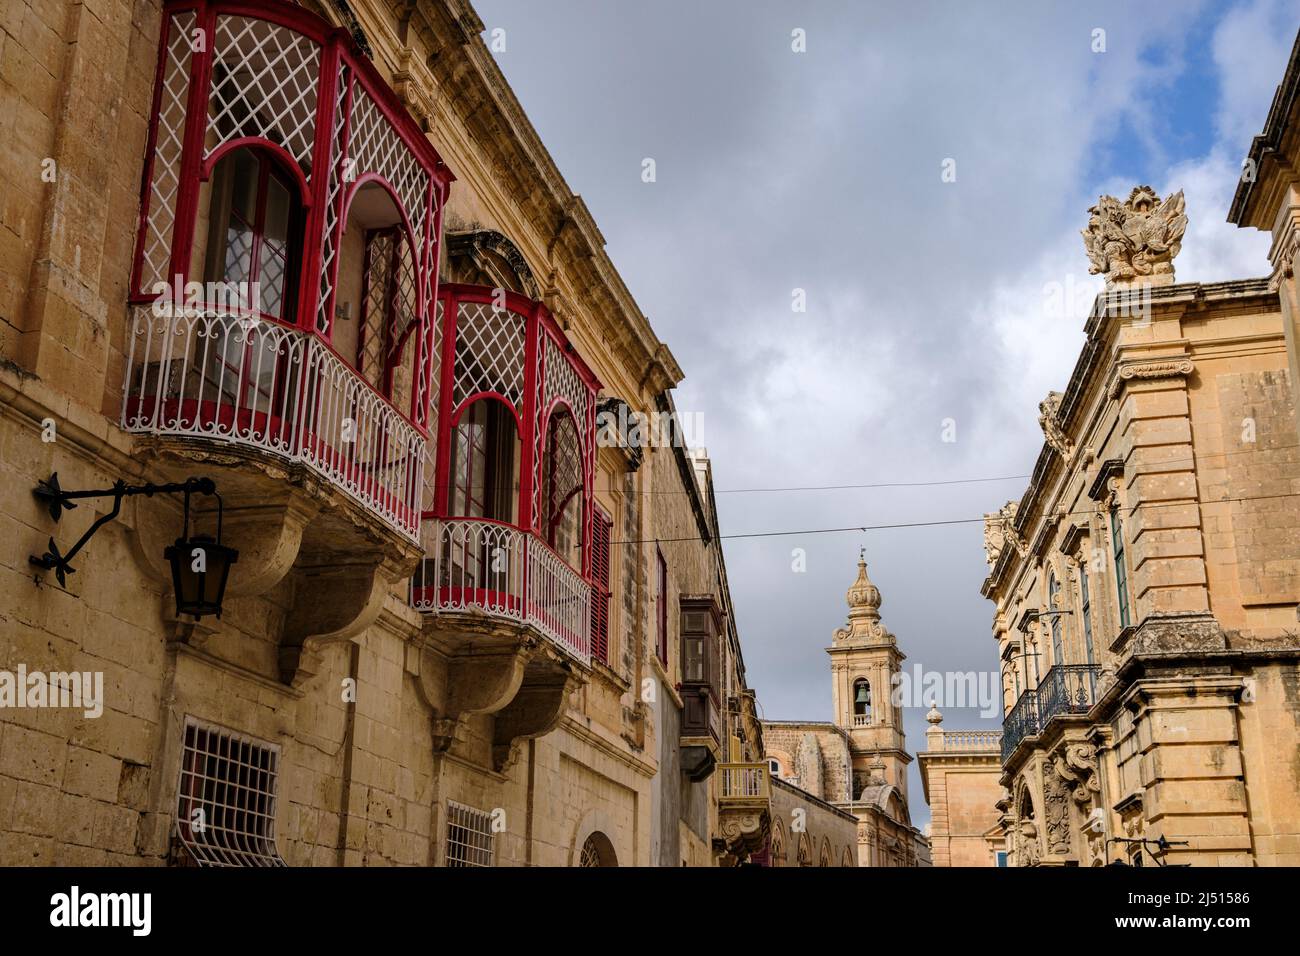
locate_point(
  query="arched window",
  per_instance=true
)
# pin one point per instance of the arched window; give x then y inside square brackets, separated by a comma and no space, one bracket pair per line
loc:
[562,488]
[862,697]
[485,463]
[597,850]
[825,859]
[253,231]
[777,854]
[248,243]
[375,296]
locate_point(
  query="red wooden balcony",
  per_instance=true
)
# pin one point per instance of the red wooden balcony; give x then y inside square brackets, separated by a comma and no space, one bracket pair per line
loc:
[508,520]
[287,253]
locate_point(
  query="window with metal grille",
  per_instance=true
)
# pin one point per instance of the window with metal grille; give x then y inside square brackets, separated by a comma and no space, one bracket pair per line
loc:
[469,836]
[661,643]
[601,532]
[225,811]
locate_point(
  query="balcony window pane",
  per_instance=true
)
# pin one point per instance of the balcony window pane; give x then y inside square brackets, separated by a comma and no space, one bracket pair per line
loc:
[484,463]
[1085,610]
[1121,572]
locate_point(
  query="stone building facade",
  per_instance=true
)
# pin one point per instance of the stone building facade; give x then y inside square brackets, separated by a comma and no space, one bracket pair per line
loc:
[858,762]
[960,773]
[317,254]
[1146,584]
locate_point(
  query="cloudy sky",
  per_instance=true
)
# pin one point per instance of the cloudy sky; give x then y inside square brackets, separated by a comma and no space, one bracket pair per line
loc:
[926,300]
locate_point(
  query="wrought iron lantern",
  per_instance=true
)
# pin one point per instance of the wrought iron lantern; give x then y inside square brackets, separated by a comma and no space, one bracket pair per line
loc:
[200,564]
[200,567]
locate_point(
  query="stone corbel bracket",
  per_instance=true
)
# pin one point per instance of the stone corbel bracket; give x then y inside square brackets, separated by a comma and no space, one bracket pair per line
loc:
[332,601]
[535,710]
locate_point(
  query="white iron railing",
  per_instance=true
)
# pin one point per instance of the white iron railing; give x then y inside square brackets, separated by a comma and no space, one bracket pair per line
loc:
[745,781]
[476,564]
[215,374]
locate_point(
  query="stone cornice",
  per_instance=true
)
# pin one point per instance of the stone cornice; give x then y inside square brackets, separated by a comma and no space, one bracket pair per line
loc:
[1267,151]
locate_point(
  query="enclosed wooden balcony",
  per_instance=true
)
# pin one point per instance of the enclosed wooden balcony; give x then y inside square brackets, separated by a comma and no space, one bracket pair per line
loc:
[286,258]
[508,523]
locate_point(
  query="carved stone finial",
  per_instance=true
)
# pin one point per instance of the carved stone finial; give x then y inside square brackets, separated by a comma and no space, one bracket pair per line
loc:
[863,596]
[877,771]
[934,716]
[1135,242]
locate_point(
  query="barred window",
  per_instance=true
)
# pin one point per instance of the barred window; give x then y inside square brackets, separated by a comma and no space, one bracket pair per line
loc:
[469,836]
[225,812]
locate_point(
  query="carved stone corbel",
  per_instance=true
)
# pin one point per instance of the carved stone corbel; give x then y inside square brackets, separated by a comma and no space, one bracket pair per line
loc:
[332,602]
[534,711]
[464,685]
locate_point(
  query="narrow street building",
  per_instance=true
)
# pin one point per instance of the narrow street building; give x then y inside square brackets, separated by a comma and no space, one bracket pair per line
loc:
[377,571]
[1146,585]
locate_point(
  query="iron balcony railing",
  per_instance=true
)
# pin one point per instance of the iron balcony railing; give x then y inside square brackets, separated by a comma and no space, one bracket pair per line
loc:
[1020,723]
[484,565]
[214,373]
[1065,689]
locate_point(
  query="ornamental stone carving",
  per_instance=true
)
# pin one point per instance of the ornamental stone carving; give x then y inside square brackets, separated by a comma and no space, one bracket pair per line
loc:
[999,531]
[1027,853]
[1178,368]
[1135,241]
[1049,420]
[1056,811]
[1076,764]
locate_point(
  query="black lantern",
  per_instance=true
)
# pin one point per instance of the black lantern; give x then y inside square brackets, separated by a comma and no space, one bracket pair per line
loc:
[200,566]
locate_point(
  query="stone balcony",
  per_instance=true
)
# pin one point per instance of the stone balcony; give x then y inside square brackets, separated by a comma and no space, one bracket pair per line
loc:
[744,808]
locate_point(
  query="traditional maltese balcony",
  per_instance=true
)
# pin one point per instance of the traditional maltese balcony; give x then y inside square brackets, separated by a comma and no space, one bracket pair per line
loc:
[286,259]
[514,579]
[508,531]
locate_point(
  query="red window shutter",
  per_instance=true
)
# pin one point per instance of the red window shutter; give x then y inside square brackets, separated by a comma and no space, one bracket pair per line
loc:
[601,533]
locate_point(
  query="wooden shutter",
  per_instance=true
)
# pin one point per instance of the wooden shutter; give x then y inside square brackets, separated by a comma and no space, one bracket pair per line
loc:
[601,533]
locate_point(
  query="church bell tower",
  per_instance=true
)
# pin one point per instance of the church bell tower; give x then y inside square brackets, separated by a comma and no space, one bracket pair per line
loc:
[864,661]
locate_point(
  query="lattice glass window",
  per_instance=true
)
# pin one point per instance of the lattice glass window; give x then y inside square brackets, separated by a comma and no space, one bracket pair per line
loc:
[225,811]
[264,79]
[469,836]
[165,183]
[489,353]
